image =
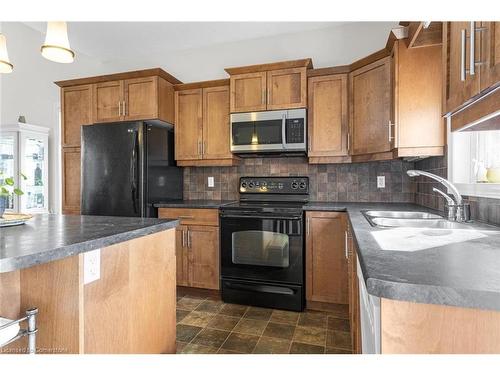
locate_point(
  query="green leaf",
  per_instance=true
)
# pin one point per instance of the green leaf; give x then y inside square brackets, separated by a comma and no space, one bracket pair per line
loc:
[18,191]
[9,181]
[24,177]
[4,191]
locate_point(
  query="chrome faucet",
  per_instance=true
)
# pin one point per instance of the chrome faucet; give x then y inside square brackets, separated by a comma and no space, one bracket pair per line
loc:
[457,209]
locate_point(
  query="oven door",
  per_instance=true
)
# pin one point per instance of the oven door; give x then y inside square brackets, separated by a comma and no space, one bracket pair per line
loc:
[262,247]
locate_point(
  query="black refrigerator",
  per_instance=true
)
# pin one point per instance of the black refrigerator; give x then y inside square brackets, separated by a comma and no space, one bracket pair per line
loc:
[127,167]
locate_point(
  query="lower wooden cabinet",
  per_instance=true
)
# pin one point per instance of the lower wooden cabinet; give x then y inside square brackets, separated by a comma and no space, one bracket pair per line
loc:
[354,313]
[197,247]
[326,261]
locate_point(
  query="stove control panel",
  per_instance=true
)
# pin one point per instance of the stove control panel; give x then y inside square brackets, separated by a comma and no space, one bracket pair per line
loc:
[274,185]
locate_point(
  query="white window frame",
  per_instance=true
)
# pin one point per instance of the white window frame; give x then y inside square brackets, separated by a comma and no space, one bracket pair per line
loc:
[486,190]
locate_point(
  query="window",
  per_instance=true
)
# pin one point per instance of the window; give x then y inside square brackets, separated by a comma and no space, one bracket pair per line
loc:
[474,158]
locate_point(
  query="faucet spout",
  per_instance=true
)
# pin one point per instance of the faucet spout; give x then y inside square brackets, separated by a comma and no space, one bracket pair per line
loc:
[445,182]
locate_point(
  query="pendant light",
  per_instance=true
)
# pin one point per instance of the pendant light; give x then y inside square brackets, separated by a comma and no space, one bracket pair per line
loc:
[56,47]
[5,65]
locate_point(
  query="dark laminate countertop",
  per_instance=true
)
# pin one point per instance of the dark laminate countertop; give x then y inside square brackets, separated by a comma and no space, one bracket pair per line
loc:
[194,203]
[456,267]
[50,237]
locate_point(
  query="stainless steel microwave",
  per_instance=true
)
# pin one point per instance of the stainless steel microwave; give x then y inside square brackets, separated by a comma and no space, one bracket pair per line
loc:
[269,131]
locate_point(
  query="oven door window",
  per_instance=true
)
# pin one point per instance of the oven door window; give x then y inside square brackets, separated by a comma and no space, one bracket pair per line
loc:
[257,132]
[261,248]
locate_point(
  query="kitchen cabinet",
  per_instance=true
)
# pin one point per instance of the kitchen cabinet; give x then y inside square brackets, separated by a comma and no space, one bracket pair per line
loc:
[202,133]
[353,286]
[134,99]
[326,261]
[328,118]
[76,110]
[197,246]
[71,180]
[489,69]
[272,86]
[370,110]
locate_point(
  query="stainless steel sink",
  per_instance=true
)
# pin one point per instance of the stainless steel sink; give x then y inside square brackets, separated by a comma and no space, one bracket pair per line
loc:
[415,223]
[402,214]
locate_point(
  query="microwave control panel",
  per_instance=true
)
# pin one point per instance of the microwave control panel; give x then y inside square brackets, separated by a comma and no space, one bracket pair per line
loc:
[295,130]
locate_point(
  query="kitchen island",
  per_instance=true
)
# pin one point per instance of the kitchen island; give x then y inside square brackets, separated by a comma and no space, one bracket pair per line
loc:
[101,284]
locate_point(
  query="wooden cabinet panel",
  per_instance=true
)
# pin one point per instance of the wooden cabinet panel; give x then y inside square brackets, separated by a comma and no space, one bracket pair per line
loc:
[188,128]
[181,256]
[191,216]
[248,92]
[203,253]
[326,263]
[328,116]
[71,181]
[108,98]
[490,54]
[141,98]
[76,110]
[286,88]
[370,100]
[216,130]
[354,313]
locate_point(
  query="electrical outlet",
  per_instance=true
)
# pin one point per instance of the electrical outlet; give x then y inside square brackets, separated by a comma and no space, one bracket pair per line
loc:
[211,182]
[91,266]
[381,182]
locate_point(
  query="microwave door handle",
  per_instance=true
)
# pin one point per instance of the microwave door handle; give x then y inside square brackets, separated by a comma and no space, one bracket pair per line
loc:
[283,130]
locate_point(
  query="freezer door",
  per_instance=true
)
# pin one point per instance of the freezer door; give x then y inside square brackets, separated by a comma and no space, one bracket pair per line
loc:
[112,169]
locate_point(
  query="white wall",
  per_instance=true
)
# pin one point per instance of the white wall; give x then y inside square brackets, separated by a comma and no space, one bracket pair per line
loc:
[29,91]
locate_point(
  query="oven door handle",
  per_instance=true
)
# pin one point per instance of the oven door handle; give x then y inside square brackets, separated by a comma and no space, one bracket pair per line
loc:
[261,288]
[261,217]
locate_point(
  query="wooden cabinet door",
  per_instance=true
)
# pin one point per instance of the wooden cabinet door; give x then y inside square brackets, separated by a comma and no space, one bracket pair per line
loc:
[248,92]
[354,317]
[188,124]
[71,181]
[490,54]
[141,98]
[371,103]
[108,101]
[328,117]
[326,262]
[76,110]
[461,86]
[181,256]
[216,129]
[203,255]
[286,88]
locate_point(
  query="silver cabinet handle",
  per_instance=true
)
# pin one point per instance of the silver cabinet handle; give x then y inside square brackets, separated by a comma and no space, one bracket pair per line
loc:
[264,96]
[186,217]
[390,131]
[199,147]
[307,226]
[472,62]
[183,238]
[124,108]
[346,245]
[203,147]
[348,141]
[462,55]
[119,109]
[188,239]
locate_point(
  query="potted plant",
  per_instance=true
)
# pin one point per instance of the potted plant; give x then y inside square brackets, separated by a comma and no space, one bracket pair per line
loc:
[7,188]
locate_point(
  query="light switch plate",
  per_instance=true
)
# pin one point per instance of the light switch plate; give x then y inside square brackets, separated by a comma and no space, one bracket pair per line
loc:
[91,266]
[211,182]
[380,182]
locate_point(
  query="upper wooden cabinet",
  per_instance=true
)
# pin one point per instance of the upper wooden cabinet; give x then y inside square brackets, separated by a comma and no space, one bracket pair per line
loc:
[202,133]
[269,86]
[328,116]
[76,110]
[108,101]
[326,257]
[370,109]
[469,45]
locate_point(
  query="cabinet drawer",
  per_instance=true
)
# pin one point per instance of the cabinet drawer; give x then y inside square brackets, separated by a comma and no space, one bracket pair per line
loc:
[191,216]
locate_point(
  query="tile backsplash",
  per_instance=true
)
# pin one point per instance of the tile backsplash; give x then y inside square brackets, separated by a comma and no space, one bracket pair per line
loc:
[331,182]
[486,210]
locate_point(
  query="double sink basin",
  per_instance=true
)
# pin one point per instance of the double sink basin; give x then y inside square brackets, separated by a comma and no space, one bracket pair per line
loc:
[410,219]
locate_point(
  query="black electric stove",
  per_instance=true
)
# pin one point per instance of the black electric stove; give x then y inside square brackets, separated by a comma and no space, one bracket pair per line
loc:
[262,243]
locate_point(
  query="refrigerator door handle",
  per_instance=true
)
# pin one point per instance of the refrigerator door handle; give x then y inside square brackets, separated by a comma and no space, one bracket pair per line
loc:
[133,172]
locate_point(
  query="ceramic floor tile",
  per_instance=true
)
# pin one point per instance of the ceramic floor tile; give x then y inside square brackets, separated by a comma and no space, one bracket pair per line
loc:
[188,303]
[338,339]
[312,319]
[250,326]
[224,322]
[240,342]
[197,318]
[339,311]
[310,335]
[338,324]
[285,317]
[278,330]
[211,337]
[272,345]
[337,351]
[198,349]
[233,310]
[225,351]
[210,306]
[258,313]
[185,333]
[179,347]
[301,348]
[181,314]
